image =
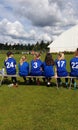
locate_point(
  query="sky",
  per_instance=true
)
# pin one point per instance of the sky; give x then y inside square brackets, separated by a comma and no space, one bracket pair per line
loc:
[29,21]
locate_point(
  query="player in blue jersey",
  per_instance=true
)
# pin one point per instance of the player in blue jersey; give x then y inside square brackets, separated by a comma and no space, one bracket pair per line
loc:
[10,66]
[48,69]
[36,66]
[60,70]
[74,66]
[23,67]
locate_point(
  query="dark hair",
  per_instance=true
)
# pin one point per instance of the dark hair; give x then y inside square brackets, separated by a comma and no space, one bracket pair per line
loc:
[76,52]
[48,59]
[9,53]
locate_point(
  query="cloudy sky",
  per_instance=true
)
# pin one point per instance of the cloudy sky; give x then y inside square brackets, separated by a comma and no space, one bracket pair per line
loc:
[28,21]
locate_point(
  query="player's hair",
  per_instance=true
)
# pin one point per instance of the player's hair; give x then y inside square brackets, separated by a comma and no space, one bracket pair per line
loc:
[9,53]
[61,55]
[37,55]
[23,58]
[48,59]
[76,52]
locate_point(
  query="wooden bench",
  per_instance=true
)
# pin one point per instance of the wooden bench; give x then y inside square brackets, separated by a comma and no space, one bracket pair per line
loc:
[53,77]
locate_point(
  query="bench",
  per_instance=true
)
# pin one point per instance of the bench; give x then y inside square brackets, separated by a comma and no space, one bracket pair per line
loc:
[53,77]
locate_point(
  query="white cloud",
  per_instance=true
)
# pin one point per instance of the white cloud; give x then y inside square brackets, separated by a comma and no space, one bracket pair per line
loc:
[40,13]
[44,37]
[14,31]
[27,20]
[46,12]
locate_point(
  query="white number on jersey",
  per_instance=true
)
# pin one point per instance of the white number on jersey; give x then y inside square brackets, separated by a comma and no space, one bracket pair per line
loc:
[9,65]
[61,63]
[35,65]
[74,65]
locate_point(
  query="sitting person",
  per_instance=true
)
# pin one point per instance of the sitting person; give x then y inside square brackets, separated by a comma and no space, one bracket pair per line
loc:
[48,70]
[36,66]
[60,70]
[23,67]
[74,67]
[10,66]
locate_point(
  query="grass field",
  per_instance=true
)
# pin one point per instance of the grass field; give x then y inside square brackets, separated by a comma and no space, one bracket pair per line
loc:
[32,107]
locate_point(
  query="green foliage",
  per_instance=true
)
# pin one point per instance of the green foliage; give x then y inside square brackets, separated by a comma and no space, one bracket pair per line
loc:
[39,46]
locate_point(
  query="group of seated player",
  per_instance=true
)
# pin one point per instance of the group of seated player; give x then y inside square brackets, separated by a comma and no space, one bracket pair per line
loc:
[36,67]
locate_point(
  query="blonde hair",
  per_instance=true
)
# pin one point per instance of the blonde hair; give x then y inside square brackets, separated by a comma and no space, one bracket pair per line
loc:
[37,55]
[61,55]
[23,58]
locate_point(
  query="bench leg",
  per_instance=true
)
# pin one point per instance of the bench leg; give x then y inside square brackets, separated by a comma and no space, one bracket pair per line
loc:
[70,83]
[57,83]
[1,80]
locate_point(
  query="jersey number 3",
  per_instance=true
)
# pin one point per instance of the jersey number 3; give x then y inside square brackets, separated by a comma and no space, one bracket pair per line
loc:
[35,65]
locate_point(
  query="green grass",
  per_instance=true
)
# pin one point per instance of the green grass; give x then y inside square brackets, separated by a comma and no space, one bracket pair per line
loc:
[38,108]
[32,107]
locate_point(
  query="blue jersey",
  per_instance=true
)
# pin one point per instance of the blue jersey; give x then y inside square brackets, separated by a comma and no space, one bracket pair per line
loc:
[74,66]
[10,65]
[61,67]
[36,67]
[23,69]
[48,70]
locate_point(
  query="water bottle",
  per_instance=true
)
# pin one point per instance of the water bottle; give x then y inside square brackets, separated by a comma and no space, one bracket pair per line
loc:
[3,70]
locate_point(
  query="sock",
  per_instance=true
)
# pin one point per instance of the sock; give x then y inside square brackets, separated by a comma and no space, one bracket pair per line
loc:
[74,85]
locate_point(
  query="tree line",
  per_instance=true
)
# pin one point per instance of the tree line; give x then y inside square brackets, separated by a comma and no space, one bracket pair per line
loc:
[39,46]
